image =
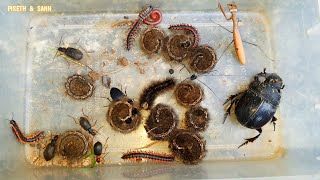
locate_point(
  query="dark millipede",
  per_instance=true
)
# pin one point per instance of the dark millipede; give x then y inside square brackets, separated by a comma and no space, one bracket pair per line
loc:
[139,155]
[135,27]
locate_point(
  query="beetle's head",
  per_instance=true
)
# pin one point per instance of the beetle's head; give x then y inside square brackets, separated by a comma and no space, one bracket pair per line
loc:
[274,80]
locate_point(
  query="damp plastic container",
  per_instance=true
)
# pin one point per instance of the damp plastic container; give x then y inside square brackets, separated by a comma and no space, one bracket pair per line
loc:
[32,86]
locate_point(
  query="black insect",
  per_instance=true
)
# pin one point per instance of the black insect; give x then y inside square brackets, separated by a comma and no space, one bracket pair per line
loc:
[50,150]
[256,106]
[97,150]
[86,125]
[117,95]
[72,53]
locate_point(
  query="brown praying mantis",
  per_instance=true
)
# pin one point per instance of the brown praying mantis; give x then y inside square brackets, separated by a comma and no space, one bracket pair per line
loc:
[238,46]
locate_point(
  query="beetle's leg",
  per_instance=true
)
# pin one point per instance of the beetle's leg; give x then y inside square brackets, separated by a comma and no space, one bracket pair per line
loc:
[106,146]
[97,131]
[94,123]
[264,69]
[37,157]
[252,139]
[232,97]
[279,90]
[125,91]
[233,101]
[75,43]
[273,121]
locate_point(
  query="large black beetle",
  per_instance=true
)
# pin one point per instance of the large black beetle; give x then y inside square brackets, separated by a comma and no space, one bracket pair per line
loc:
[256,106]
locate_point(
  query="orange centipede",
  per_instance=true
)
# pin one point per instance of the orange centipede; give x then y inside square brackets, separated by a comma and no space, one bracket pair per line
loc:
[22,137]
[148,155]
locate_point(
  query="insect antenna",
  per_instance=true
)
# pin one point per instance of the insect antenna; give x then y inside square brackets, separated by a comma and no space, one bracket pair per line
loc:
[73,119]
[210,89]
[58,47]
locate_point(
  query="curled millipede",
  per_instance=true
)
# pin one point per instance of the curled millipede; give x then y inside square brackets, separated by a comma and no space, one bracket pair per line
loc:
[148,155]
[155,17]
[187,27]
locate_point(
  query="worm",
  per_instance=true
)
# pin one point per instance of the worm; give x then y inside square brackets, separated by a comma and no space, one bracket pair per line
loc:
[22,137]
[149,155]
[187,27]
[136,25]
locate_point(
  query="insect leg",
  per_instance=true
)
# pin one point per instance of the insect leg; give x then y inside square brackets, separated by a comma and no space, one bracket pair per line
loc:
[221,26]
[105,144]
[221,9]
[95,122]
[252,139]
[75,42]
[265,54]
[97,131]
[273,121]
[225,50]
[232,97]
[57,48]
[233,101]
